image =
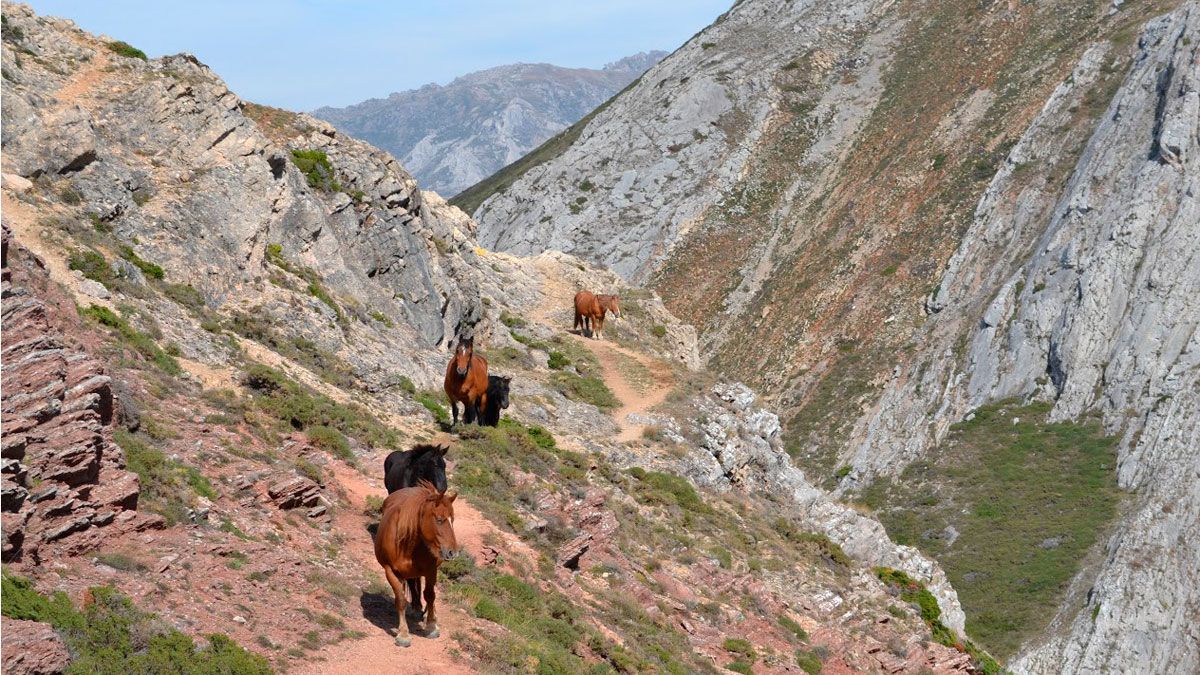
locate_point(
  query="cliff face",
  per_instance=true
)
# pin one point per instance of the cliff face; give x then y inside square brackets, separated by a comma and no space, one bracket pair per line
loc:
[888,216]
[453,136]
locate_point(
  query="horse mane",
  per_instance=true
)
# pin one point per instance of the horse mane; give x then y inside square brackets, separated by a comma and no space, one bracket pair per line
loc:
[408,516]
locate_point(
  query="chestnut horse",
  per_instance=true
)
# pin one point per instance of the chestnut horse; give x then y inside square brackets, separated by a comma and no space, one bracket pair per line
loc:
[416,533]
[467,381]
[590,310]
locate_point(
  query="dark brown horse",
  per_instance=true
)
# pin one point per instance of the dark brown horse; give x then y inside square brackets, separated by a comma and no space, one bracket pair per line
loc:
[416,533]
[590,310]
[467,381]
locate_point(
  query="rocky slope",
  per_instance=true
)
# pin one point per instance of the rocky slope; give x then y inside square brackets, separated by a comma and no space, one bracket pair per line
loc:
[889,215]
[248,309]
[452,136]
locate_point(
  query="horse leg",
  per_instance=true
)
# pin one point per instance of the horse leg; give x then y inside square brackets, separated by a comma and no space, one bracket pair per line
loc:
[469,412]
[414,613]
[454,412]
[402,638]
[431,630]
[598,328]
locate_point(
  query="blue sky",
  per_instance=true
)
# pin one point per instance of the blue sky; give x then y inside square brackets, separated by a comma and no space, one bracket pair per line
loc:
[301,54]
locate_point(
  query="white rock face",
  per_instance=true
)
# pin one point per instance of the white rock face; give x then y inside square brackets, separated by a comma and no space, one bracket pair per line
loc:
[652,163]
[1095,308]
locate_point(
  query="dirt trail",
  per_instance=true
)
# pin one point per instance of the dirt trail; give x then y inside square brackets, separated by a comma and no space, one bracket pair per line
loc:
[637,396]
[377,653]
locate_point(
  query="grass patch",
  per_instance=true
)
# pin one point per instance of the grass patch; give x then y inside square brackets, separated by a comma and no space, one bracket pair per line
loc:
[91,264]
[1028,498]
[110,635]
[809,662]
[431,401]
[130,336]
[148,268]
[794,628]
[585,389]
[330,440]
[317,170]
[302,409]
[258,327]
[165,483]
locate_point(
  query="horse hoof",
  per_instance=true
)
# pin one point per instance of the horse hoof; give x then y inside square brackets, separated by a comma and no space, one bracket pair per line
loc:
[402,641]
[432,633]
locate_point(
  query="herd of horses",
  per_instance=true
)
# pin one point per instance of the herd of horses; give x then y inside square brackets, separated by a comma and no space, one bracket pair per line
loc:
[416,527]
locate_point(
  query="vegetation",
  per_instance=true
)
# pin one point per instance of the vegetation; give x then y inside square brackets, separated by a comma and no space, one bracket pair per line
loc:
[431,400]
[140,342]
[112,637]
[165,483]
[299,408]
[127,50]
[585,389]
[915,593]
[316,286]
[809,662]
[1027,497]
[557,360]
[258,327]
[91,264]
[794,628]
[317,170]
[659,331]
[148,268]
[330,440]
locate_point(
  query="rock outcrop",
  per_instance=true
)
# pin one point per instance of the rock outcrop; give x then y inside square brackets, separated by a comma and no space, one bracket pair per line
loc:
[65,485]
[32,648]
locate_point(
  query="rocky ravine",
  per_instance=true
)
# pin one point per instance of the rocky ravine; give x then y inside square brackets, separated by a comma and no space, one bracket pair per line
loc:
[892,236]
[452,136]
[272,297]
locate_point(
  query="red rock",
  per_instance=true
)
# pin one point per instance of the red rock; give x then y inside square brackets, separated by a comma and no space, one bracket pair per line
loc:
[292,492]
[32,648]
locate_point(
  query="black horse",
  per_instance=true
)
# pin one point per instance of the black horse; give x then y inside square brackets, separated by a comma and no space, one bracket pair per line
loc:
[497,399]
[406,468]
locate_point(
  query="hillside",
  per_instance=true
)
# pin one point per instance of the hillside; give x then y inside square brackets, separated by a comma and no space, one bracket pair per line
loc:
[905,223]
[219,318]
[453,136]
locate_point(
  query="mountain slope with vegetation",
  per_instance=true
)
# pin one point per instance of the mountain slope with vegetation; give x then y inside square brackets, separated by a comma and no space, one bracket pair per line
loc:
[224,316]
[888,216]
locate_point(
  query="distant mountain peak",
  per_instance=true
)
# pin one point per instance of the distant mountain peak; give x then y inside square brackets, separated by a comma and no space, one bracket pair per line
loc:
[452,136]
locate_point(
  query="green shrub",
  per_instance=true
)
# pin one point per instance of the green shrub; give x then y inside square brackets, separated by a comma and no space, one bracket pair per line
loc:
[148,268]
[512,320]
[330,440]
[585,389]
[120,561]
[843,472]
[723,556]
[557,360]
[794,628]
[111,636]
[92,264]
[70,196]
[659,331]
[809,662]
[740,646]
[740,667]
[127,50]
[432,402]
[458,567]
[185,296]
[656,487]
[381,318]
[317,169]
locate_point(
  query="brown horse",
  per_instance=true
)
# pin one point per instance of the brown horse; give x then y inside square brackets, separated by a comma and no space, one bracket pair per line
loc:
[467,381]
[590,310]
[416,533]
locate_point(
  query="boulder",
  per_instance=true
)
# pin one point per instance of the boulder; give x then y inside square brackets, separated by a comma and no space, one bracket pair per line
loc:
[32,648]
[290,493]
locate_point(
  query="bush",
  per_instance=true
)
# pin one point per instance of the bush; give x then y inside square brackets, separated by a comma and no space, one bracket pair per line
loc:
[317,169]
[794,628]
[557,360]
[127,50]
[92,264]
[431,401]
[330,440]
[148,268]
[740,646]
[162,479]
[184,295]
[740,667]
[111,636]
[656,487]
[458,567]
[585,389]
[809,662]
[381,318]
[659,331]
[512,320]
[70,196]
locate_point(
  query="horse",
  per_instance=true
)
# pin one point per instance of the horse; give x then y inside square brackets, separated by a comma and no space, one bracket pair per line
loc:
[466,381]
[408,468]
[497,399]
[416,533]
[405,469]
[590,310]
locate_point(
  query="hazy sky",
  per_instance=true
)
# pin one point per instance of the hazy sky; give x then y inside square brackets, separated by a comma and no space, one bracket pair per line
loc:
[302,54]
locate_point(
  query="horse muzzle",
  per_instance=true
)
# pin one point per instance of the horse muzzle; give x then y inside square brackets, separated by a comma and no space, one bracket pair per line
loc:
[449,553]
[462,372]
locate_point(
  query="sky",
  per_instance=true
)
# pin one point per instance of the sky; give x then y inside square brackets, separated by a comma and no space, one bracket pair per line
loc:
[303,54]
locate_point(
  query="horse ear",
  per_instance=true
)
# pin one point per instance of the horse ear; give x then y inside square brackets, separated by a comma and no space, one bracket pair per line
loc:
[443,449]
[451,495]
[507,379]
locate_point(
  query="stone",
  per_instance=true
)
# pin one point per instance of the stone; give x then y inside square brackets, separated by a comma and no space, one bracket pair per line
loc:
[568,554]
[32,648]
[94,289]
[294,492]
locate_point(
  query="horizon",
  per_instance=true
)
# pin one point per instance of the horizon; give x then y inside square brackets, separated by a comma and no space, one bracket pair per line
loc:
[258,49]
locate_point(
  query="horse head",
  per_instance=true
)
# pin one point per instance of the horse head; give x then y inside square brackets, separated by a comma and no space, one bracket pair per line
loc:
[464,351]
[610,302]
[437,522]
[430,465]
[498,386]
